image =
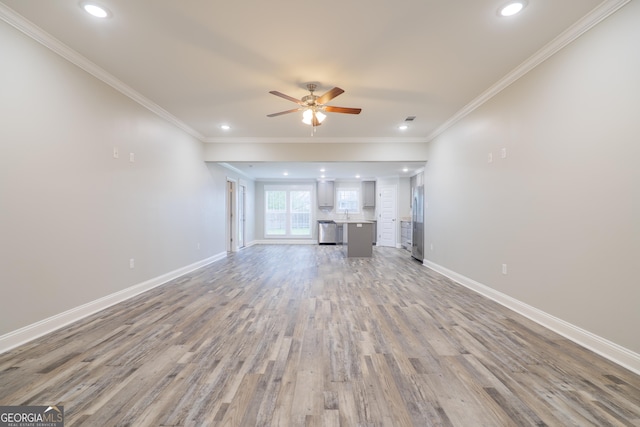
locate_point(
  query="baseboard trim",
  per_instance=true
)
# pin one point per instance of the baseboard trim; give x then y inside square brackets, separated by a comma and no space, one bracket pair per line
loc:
[605,348]
[36,330]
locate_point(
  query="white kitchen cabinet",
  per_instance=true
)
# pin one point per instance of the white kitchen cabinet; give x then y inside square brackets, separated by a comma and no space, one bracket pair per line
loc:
[325,194]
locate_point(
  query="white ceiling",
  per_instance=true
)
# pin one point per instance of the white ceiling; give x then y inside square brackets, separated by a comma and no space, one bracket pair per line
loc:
[208,63]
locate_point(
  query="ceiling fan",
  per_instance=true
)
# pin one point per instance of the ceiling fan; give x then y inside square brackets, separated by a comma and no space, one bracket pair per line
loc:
[313,107]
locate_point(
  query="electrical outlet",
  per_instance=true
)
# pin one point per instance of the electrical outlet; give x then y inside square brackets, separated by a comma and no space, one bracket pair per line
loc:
[432,246]
[198,246]
[132,157]
[116,153]
[503,152]
[490,158]
[504,268]
[132,263]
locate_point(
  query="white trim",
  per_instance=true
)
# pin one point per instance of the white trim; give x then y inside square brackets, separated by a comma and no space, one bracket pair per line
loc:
[284,242]
[576,30]
[30,332]
[605,348]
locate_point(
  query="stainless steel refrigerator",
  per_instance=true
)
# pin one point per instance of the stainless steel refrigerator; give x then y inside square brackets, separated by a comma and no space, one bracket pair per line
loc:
[417,221]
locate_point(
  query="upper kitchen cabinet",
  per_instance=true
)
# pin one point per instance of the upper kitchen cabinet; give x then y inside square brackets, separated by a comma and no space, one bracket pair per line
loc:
[368,194]
[325,194]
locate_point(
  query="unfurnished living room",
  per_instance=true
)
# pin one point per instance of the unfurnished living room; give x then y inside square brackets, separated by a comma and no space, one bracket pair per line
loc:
[335,214]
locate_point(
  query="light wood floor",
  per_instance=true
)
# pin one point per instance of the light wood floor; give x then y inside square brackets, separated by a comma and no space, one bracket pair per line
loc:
[301,336]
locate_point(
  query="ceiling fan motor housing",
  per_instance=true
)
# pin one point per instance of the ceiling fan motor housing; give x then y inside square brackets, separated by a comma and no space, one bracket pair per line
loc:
[309,100]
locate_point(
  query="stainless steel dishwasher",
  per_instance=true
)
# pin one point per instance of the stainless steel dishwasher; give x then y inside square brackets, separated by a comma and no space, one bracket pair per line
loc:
[327,232]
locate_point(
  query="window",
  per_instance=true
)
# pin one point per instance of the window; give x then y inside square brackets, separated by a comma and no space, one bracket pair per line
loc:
[348,200]
[287,211]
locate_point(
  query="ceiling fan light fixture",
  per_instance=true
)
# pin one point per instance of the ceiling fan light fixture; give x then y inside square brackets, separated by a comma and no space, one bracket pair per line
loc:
[307,116]
[313,107]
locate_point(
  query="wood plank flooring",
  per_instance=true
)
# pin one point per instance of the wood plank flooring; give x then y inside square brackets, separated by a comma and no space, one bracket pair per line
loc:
[301,336]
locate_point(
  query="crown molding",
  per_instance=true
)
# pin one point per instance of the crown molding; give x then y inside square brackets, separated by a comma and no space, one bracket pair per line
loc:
[27,27]
[587,22]
[313,140]
[594,17]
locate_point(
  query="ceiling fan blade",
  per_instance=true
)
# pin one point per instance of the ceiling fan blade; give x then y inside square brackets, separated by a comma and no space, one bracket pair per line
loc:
[287,97]
[283,112]
[345,110]
[329,95]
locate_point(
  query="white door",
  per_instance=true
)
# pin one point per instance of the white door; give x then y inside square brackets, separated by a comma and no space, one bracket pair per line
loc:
[387,209]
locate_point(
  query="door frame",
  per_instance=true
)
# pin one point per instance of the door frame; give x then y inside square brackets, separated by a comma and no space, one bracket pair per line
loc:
[242,215]
[231,221]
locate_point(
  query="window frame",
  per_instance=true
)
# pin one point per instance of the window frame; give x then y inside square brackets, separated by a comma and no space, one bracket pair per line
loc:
[358,200]
[289,221]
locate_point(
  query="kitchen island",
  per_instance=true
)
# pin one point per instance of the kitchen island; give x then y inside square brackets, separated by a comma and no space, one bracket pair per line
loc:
[357,238]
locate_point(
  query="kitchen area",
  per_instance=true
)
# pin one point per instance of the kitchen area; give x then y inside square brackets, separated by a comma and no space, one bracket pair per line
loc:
[347,216]
[340,222]
[354,214]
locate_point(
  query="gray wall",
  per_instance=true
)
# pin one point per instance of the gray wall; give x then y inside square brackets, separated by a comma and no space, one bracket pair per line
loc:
[71,216]
[562,210]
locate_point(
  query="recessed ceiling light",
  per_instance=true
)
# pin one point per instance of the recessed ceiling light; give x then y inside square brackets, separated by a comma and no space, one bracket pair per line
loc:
[512,8]
[322,176]
[95,10]
[357,176]
[322,170]
[403,127]
[285,173]
[225,127]
[405,170]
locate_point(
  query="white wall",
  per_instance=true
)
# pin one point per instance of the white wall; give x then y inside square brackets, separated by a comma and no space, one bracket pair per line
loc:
[563,209]
[71,216]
